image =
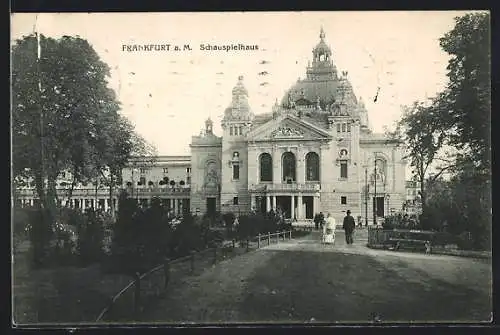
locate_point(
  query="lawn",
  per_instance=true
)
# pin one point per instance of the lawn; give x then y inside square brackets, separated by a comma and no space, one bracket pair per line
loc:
[298,286]
[60,294]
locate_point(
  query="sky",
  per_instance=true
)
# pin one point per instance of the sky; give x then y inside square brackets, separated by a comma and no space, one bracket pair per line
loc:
[168,95]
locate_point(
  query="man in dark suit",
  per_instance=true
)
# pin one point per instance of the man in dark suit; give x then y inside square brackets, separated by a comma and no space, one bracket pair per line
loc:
[349,226]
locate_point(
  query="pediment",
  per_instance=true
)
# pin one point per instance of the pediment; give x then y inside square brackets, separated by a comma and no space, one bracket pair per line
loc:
[287,128]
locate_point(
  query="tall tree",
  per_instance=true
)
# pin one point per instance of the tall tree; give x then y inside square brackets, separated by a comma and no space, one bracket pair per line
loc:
[465,105]
[64,115]
[423,139]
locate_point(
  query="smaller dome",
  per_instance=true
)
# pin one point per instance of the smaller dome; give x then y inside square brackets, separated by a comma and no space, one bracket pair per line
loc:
[322,48]
[240,88]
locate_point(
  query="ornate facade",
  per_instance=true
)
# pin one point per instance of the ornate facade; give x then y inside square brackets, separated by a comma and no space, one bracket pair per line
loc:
[313,152]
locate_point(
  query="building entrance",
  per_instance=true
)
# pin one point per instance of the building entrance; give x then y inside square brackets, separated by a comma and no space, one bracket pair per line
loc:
[308,204]
[378,206]
[284,204]
[211,206]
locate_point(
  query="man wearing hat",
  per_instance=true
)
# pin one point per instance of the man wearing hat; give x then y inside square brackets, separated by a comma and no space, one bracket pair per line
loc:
[348,226]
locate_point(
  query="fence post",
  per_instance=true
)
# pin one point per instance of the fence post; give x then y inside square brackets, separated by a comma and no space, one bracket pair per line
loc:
[258,241]
[268,238]
[215,255]
[290,234]
[192,261]
[137,293]
[166,270]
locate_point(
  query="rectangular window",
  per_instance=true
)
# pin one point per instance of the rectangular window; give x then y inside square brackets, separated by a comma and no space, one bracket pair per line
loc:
[343,127]
[240,131]
[338,127]
[235,200]
[343,169]
[188,170]
[348,127]
[165,170]
[142,170]
[343,200]
[236,172]
[231,130]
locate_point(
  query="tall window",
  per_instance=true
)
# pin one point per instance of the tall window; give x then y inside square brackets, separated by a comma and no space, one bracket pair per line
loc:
[338,127]
[231,130]
[343,200]
[343,169]
[343,127]
[288,164]
[236,171]
[235,200]
[312,166]
[266,167]
[348,127]
[165,170]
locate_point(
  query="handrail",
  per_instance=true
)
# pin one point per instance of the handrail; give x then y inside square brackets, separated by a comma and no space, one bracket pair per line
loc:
[175,261]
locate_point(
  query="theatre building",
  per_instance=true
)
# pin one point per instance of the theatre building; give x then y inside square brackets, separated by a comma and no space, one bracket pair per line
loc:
[314,151]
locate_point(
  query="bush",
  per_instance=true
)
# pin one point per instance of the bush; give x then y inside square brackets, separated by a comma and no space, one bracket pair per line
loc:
[186,237]
[40,234]
[90,237]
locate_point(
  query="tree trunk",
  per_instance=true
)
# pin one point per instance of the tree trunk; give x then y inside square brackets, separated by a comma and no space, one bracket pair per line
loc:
[111,204]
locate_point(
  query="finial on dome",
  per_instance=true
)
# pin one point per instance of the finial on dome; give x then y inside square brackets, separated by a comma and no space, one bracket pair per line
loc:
[322,33]
[240,77]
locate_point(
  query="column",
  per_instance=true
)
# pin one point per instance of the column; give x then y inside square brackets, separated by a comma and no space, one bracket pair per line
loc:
[315,205]
[268,203]
[292,209]
[299,207]
[174,206]
[252,202]
[274,202]
[106,203]
[181,206]
[83,205]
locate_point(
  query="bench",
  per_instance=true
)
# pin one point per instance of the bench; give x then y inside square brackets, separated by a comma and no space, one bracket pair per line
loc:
[412,244]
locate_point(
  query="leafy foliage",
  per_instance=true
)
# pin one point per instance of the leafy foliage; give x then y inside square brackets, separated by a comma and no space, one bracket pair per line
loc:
[65,117]
[465,105]
[459,117]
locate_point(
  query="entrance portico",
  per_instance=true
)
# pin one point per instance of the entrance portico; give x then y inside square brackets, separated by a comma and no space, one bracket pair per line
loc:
[293,205]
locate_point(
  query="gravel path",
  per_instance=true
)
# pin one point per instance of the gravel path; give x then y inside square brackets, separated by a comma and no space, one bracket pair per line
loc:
[302,281]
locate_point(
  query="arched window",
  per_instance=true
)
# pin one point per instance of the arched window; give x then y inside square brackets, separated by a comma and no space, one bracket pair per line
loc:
[266,167]
[312,166]
[288,164]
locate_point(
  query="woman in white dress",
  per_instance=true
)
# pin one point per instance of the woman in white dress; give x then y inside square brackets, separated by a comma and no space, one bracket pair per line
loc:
[329,229]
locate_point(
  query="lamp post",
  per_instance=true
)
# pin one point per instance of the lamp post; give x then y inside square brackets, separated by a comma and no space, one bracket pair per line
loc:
[375,194]
[387,196]
[366,196]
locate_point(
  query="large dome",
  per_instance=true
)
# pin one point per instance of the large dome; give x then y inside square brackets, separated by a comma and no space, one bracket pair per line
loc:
[322,84]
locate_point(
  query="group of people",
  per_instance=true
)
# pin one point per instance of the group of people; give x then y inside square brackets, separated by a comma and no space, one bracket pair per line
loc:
[328,225]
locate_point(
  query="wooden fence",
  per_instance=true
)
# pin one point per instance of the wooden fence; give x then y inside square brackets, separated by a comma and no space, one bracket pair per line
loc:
[145,288]
[379,236]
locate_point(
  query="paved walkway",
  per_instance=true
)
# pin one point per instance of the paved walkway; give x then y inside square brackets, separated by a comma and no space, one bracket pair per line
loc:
[302,280]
